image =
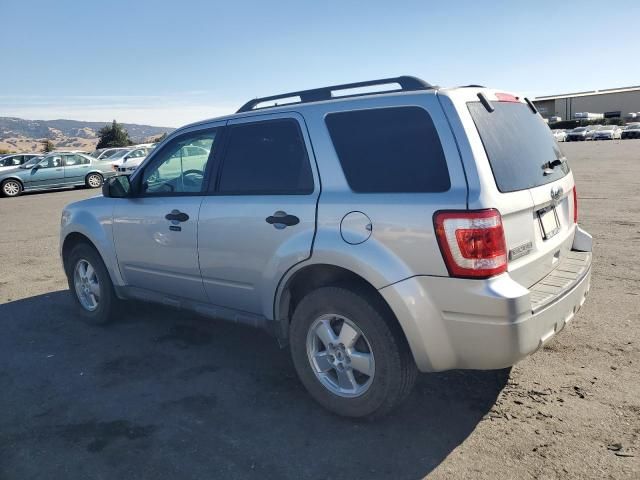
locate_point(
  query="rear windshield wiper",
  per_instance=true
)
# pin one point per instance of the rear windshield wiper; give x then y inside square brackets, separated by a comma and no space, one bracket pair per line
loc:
[547,168]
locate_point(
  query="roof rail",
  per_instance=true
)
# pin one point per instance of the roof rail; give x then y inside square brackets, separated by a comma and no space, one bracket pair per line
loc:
[406,83]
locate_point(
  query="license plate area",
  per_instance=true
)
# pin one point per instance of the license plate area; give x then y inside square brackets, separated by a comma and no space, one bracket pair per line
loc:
[549,223]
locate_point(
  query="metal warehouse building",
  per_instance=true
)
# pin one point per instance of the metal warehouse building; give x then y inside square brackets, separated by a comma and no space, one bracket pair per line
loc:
[613,102]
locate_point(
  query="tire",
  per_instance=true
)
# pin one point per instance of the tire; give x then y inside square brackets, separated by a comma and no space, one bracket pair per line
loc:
[98,285]
[93,180]
[11,188]
[390,363]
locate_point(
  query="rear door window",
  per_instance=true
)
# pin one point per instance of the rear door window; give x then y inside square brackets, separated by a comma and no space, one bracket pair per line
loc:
[266,158]
[518,144]
[389,150]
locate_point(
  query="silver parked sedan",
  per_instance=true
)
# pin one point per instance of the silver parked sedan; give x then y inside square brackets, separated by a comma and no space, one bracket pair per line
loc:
[54,170]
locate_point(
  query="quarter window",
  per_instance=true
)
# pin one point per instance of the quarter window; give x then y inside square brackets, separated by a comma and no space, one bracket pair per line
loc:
[389,150]
[180,166]
[266,158]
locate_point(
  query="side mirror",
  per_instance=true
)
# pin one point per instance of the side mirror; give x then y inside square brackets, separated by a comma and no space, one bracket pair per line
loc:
[117,187]
[36,166]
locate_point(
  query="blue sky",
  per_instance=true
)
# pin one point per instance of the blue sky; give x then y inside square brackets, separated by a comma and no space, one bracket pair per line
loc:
[170,63]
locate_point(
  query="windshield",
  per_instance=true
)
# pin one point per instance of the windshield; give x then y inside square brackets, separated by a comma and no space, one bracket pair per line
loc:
[116,154]
[579,129]
[32,162]
[518,145]
[608,127]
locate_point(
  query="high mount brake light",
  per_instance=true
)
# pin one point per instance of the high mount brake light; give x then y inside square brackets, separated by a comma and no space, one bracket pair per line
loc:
[506,97]
[472,242]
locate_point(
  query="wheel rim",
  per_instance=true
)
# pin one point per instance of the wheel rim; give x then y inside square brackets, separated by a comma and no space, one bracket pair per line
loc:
[11,188]
[94,181]
[340,355]
[85,280]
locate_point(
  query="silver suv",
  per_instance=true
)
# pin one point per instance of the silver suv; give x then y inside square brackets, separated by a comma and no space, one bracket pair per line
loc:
[376,233]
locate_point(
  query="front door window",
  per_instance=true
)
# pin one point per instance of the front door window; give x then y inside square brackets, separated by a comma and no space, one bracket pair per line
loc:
[180,167]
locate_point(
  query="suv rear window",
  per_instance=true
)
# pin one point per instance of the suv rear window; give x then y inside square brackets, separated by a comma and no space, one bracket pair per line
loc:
[518,144]
[389,150]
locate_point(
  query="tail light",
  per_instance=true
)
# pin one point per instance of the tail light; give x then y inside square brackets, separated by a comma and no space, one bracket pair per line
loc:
[472,242]
[575,205]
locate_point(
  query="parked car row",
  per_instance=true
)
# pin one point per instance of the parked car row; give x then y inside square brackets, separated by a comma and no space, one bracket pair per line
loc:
[22,172]
[131,156]
[51,171]
[597,132]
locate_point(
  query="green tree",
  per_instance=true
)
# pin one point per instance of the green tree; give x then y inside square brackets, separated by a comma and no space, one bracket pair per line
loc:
[160,138]
[114,135]
[48,146]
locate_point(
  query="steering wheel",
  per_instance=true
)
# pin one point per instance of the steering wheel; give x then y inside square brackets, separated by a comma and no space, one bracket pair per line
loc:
[193,178]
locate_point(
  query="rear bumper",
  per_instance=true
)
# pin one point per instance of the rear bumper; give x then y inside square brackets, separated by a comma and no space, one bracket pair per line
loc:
[485,324]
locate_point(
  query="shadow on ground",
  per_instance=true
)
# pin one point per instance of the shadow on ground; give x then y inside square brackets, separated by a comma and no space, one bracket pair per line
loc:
[166,394]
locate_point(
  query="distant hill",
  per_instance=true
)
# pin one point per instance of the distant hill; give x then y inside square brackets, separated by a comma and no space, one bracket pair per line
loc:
[19,135]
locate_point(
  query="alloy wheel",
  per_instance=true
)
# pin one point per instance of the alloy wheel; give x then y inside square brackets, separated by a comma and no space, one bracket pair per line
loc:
[87,285]
[94,181]
[340,355]
[11,188]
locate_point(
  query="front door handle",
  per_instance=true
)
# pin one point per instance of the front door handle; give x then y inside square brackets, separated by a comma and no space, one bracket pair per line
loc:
[177,216]
[282,220]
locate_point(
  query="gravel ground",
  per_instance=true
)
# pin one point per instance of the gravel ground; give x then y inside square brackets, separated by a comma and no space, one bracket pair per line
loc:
[164,394]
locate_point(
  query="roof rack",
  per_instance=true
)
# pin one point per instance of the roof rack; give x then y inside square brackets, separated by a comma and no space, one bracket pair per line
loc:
[406,83]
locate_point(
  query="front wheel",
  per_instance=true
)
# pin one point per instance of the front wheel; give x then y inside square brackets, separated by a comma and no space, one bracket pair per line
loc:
[351,357]
[90,285]
[11,188]
[94,180]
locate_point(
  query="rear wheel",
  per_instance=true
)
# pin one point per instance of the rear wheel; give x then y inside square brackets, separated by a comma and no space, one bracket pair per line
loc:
[93,180]
[350,356]
[11,188]
[90,285]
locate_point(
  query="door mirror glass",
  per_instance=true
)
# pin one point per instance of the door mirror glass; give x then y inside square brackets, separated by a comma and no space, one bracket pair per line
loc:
[117,187]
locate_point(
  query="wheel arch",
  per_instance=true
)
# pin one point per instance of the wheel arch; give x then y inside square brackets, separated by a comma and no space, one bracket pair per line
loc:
[91,222]
[70,242]
[17,179]
[311,277]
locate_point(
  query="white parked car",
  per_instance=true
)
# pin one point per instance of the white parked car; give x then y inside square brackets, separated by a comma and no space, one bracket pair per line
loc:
[129,159]
[591,131]
[560,135]
[104,153]
[608,132]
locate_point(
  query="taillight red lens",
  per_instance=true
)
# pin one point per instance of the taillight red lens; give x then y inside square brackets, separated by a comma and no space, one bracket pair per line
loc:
[472,242]
[506,97]
[575,205]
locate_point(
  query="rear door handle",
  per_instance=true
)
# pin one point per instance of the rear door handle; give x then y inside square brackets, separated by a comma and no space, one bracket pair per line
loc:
[282,220]
[177,216]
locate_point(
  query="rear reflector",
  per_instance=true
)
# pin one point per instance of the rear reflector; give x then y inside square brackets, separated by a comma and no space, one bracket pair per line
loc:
[506,97]
[472,242]
[575,205]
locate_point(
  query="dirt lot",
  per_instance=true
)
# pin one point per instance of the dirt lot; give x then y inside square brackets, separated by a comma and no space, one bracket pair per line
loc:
[164,394]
